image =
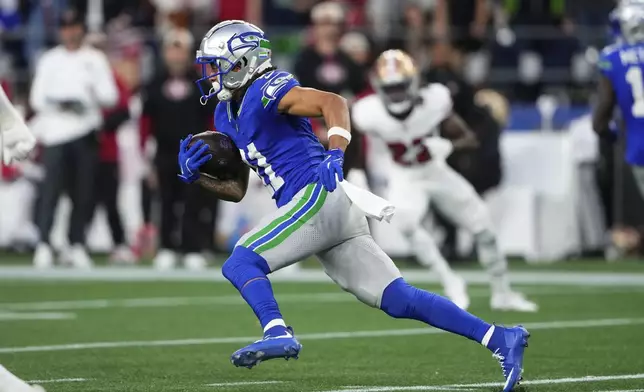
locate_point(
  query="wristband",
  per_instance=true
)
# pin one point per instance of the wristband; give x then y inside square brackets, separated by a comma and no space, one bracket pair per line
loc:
[337,131]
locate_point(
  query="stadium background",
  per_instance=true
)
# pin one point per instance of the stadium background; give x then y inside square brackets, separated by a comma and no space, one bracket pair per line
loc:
[560,194]
[557,192]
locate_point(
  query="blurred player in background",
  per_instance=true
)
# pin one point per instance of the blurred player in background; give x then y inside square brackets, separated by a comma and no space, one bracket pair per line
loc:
[621,84]
[264,111]
[16,142]
[169,114]
[411,121]
[108,178]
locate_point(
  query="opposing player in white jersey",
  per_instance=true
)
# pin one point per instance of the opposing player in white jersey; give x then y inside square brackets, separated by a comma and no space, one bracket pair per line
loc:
[411,120]
[16,142]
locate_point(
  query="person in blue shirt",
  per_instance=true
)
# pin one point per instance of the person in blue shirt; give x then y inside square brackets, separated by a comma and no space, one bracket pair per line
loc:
[621,84]
[265,112]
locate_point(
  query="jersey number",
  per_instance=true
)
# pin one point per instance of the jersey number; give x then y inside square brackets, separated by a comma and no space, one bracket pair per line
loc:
[270,178]
[408,155]
[635,79]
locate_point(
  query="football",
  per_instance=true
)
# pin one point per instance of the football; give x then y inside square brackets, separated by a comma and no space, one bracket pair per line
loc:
[226,161]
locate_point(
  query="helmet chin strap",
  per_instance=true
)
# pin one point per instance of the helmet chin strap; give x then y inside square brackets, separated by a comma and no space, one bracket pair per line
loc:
[226,94]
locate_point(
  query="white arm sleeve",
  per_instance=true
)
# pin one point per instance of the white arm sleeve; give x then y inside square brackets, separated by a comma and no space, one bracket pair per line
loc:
[38,94]
[8,113]
[442,98]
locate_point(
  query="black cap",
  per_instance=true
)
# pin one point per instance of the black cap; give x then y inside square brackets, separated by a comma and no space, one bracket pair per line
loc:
[70,18]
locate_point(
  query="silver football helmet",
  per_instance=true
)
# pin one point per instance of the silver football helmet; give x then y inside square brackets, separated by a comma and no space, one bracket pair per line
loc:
[629,16]
[230,54]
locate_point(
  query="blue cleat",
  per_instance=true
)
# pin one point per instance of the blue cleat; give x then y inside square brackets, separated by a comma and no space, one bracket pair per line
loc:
[510,356]
[270,347]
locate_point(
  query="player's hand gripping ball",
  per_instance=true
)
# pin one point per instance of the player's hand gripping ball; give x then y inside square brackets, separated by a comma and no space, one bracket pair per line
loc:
[212,154]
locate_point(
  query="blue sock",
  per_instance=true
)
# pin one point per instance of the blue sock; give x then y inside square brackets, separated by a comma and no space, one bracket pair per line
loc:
[247,271]
[401,300]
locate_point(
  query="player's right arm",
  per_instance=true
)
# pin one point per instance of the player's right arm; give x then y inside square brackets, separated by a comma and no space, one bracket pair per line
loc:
[193,156]
[309,102]
[232,190]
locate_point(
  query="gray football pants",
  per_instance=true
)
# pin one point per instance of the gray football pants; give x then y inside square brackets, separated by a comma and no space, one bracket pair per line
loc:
[329,226]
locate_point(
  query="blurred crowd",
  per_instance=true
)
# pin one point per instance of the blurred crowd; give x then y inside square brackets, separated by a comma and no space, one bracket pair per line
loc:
[520,47]
[488,52]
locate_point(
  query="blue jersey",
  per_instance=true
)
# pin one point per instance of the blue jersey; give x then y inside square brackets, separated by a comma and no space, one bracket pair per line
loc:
[623,65]
[282,149]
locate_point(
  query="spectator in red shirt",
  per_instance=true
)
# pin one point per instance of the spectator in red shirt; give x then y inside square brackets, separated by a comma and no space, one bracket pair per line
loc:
[107,179]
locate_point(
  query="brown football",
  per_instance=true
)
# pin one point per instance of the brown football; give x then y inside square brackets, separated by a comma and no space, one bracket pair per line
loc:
[226,161]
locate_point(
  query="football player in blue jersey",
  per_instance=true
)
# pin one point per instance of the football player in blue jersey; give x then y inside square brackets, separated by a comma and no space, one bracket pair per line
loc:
[621,84]
[265,111]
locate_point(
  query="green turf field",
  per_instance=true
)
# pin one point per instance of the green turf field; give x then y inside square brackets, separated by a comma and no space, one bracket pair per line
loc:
[177,336]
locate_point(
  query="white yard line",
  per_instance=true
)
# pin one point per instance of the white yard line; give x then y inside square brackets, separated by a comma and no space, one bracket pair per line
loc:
[167,302]
[139,273]
[311,336]
[242,383]
[624,390]
[337,297]
[12,316]
[58,380]
[392,388]
[567,380]
[463,387]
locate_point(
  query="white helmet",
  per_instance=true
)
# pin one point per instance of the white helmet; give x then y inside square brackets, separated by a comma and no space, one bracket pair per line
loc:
[631,22]
[236,51]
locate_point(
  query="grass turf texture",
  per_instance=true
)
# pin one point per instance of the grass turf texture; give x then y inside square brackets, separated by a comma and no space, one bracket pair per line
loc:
[325,364]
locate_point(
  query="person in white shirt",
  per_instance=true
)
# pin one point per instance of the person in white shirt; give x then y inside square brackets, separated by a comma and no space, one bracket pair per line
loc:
[72,84]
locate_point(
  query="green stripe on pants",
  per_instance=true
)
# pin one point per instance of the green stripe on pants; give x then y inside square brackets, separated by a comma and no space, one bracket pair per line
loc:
[296,225]
[278,221]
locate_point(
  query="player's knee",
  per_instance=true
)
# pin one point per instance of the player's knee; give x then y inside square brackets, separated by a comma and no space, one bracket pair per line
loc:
[479,221]
[399,300]
[244,265]
[406,222]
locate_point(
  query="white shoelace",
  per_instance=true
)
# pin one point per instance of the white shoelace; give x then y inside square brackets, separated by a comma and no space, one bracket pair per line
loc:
[501,359]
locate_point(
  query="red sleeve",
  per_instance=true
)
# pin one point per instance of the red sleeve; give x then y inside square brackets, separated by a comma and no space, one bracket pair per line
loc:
[124,93]
[366,92]
[145,129]
[145,122]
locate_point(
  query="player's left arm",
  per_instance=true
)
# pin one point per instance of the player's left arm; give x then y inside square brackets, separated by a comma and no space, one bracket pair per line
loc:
[192,157]
[232,190]
[603,112]
[308,102]
[458,132]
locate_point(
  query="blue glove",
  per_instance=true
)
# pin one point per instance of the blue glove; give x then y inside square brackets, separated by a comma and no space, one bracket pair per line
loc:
[330,168]
[191,159]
